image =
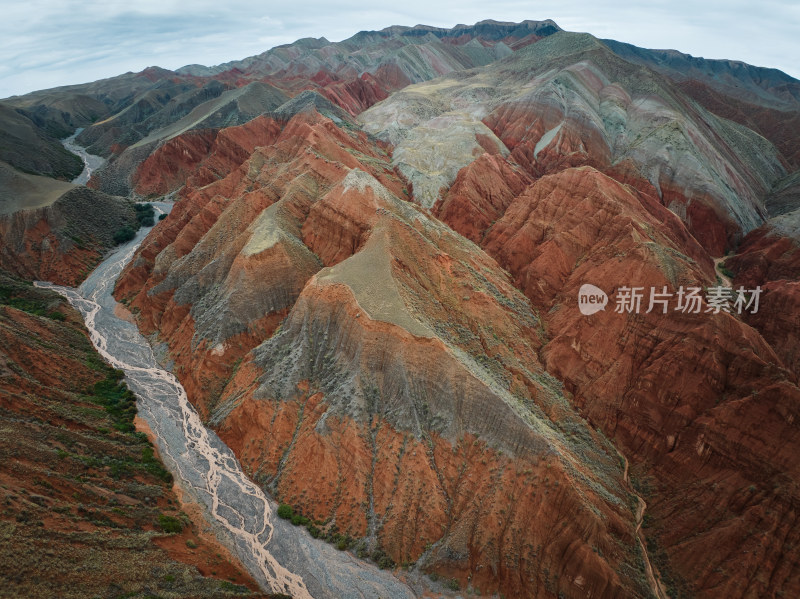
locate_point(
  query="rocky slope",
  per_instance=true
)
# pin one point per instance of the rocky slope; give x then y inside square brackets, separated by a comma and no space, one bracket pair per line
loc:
[88,510]
[144,109]
[765,100]
[392,342]
[368,366]
[686,440]
[569,101]
[770,258]
[230,108]
[26,147]
[394,56]
[61,242]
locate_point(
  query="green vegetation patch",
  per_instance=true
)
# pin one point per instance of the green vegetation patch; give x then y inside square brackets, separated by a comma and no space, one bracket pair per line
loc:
[119,401]
[24,298]
[170,524]
[124,234]
[145,214]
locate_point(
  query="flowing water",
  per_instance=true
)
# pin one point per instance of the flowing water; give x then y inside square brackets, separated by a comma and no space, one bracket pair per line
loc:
[90,162]
[281,557]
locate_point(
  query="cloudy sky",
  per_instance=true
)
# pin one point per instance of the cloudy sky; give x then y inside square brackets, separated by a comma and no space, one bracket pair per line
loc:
[46,43]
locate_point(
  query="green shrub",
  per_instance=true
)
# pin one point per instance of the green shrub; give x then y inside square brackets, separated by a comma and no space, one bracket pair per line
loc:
[19,298]
[169,524]
[285,511]
[384,561]
[153,465]
[234,588]
[124,234]
[299,520]
[145,214]
[162,216]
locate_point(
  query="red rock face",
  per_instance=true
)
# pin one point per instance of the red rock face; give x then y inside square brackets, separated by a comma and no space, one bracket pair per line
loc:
[64,241]
[421,379]
[252,245]
[201,157]
[360,93]
[216,220]
[404,381]
[769,257]
[685,439]
[480,195]
[777,320]
[169,166]
[766,255]
[544,139]
[41,254]
[567,101]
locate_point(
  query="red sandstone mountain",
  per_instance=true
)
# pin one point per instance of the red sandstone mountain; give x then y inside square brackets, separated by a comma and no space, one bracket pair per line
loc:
[368,286]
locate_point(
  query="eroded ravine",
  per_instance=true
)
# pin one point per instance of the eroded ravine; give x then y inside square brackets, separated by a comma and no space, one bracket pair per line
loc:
[653,578]
[281,557]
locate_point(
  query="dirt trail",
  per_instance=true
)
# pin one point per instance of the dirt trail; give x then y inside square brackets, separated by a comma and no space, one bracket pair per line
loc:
[726,280]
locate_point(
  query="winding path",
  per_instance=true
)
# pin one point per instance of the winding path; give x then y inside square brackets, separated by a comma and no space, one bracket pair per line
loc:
[726,280]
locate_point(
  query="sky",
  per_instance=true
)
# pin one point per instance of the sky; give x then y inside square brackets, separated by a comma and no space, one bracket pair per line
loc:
[47,43]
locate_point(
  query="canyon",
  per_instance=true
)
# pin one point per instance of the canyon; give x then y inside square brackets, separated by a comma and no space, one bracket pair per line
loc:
[365,285]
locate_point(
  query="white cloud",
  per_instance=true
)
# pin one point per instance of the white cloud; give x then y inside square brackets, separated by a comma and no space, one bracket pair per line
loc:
[46,43]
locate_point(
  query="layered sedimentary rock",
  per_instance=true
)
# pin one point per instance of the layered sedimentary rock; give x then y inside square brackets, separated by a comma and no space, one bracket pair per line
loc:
[405,379]
[762,99]
[769,257]
[369,287]
[62,242]
[212,224]
[569,101]
[201,157]
[233,107]
[126,118]
[691,442]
